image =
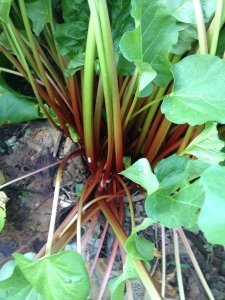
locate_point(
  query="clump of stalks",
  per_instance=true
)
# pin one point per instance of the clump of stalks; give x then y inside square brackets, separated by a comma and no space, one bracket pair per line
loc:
[111,123]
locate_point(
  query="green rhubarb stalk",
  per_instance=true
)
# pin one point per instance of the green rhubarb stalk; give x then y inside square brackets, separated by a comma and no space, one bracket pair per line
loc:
[112,78]
[216,26]
[87,96]
[105,81]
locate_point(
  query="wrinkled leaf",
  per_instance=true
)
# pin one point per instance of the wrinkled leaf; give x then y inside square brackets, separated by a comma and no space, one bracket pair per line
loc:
[5,6]
[212,216]
[15,107]
[198,94]
[39,11]
[71,38]
[64,272]
[141,173]
[71,35]
[151,40]
[207,145]
[183,10]
[179,209]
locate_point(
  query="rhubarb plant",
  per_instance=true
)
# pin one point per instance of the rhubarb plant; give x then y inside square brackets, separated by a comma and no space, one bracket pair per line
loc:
[136,82]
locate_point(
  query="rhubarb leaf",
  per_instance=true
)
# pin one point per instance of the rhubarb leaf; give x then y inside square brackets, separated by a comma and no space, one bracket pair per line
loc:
[212,216]
[141,173]
[152,39]
[207,145]
[64,272]
[15,107]
[40,13]
[179,209]
[183,10]
[198,94]
[5,6]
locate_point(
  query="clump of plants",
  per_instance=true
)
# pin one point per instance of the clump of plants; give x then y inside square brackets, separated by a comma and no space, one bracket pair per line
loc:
[140,85]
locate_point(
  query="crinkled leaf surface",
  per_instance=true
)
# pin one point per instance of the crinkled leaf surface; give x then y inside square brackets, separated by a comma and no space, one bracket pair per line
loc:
[141,173]
[198,94]
[183,10]
[39,11]
[212,216]
[15,107]
[179,209]
[207,145]
[5,6]
[154,34]
[64,273]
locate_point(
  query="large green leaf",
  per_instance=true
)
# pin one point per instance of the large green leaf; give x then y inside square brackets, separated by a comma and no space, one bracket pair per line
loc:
[39,11]
[171,173]
[141,173]
[15,107]
[16,287]
[5,6]
[151,40]
[179,209]
[64,273]
[212,216]
[198,94]
[183,10]
[207,145]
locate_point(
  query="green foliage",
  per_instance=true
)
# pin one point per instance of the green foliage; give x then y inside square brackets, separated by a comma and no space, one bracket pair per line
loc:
[39,11]
[5,6]
[139,247]
[15,107]
[150,43]
[117,284]
[65,273]
[207,146]
[178,209]
[198,94]
[141,173]
[53,277]
[183,10]
[212,216]
[3,201]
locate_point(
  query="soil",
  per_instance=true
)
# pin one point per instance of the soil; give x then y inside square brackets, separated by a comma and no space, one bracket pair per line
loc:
[28,147]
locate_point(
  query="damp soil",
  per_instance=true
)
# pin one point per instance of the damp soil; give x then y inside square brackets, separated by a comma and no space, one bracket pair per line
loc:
[27,147]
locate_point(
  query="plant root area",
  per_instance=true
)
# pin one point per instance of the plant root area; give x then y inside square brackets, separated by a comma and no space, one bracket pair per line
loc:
[27,147]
